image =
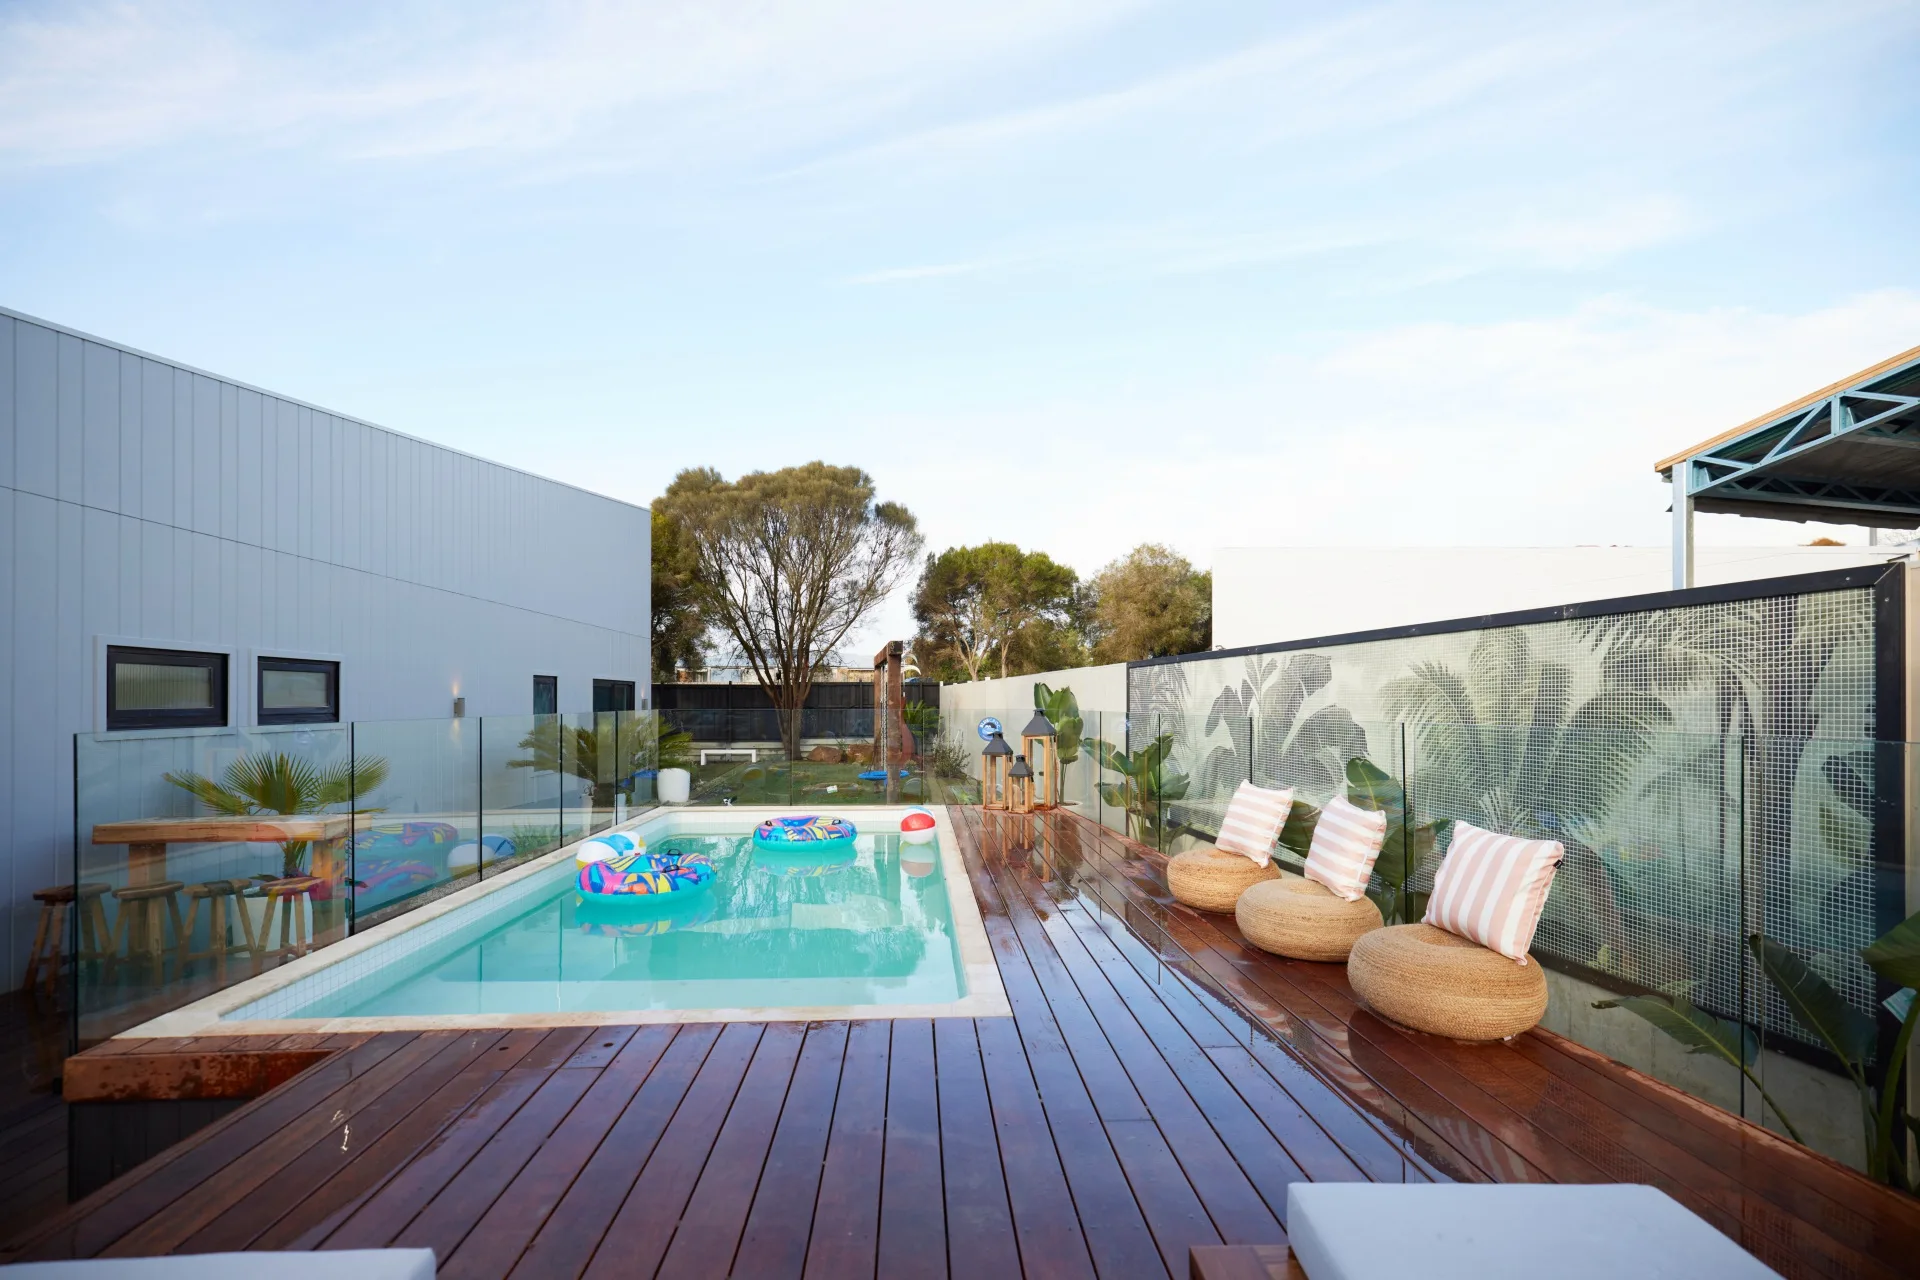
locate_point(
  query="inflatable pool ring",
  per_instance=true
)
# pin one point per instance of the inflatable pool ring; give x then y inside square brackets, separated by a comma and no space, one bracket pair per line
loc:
[640,915]
[465,857]
[645,874]
[826,838]
[917,827]
[612,845]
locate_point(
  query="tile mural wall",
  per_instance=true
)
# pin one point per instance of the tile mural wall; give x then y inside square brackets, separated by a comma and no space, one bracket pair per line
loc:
[1708,767]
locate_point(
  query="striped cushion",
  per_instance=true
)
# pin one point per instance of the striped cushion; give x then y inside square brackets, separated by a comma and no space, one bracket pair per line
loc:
[1346,842]
[1492,888]
[1254,818]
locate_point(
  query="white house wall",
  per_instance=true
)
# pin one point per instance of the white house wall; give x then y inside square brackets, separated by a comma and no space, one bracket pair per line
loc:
[142,501]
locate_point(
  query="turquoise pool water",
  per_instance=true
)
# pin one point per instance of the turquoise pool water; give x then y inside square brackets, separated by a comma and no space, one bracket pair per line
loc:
[769,932]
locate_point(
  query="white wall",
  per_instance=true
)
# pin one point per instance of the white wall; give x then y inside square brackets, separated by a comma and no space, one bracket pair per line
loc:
[1263,595]
[1096,689]
[144,501]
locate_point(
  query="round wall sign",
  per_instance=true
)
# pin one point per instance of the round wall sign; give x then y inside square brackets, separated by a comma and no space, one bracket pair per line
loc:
[989,727]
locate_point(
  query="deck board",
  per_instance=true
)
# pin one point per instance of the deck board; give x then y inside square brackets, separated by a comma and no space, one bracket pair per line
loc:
[1157,1087]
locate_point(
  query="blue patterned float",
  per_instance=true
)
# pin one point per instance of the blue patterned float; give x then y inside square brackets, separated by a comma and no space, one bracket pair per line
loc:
[642,874]
[827,838]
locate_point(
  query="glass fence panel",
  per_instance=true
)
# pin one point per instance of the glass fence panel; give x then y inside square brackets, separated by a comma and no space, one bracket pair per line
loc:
[183,844]
[522,789]
[417,813]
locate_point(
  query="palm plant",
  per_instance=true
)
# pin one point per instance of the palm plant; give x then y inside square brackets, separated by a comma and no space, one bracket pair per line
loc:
[1825,1014]
[605,754]
[276,783]
[1147,785]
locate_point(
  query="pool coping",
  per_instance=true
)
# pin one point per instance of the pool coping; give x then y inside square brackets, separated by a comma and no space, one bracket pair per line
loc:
[985,998]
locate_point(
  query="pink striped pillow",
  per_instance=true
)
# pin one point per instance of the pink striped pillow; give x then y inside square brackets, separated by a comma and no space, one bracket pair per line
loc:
[1346,843]
[1492,888]
[1254,818]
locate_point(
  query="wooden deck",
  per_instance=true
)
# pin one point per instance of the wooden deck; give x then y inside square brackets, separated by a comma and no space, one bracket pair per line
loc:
[1128,1111]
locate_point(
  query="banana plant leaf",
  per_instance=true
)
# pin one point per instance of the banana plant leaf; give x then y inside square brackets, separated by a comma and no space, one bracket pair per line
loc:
[1297,835]
[1896,955]
[1693,1027]
[1815,1004]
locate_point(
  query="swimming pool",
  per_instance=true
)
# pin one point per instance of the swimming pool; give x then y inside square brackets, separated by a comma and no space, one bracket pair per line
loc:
[888,929]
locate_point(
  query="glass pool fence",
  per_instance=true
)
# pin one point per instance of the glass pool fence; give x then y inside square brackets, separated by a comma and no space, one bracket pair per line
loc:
[1710,882]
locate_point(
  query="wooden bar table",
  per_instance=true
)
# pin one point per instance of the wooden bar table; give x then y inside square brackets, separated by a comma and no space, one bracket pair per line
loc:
[147,838]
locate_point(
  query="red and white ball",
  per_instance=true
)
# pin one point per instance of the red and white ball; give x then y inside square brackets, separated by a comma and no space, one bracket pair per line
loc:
[917,827]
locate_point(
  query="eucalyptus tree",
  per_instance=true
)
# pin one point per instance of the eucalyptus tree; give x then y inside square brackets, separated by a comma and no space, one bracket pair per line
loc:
[789,562]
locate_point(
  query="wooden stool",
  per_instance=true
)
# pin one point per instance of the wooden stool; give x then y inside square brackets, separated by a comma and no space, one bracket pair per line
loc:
[215,893]
[142,929]
[50,935]
[294,897]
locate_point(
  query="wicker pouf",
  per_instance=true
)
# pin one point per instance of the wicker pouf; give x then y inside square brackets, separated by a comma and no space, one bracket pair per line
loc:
[1212,880]
[1303,919]
[1432,981]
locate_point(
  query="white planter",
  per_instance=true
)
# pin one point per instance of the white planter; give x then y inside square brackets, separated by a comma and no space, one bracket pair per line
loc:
[675,786]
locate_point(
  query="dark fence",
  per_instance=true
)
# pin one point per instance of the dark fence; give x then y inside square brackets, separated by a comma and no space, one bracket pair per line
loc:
[744,712]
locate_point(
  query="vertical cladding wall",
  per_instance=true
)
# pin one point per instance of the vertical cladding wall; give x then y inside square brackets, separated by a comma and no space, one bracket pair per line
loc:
[143,501]
[1708,758]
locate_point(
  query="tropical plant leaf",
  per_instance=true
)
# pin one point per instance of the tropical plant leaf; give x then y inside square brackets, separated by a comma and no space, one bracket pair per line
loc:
[1297,833]
[1693,1027]
[1895,955]
[1370,787]
[1815,1004]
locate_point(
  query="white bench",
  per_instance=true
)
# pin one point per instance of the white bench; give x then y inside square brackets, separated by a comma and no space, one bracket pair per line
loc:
[1381,1231]
[752,755]
[341,1264]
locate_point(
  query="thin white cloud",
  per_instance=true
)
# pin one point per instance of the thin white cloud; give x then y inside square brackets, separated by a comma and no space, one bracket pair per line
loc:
[897,275]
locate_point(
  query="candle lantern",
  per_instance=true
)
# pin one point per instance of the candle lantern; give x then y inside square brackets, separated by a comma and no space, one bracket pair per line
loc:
[1020,786]
[993,773]
[1039,743]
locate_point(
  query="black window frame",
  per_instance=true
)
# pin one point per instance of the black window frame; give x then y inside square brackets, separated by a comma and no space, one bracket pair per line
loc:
[612,688]
[552,686]
[329,714]
[215,717]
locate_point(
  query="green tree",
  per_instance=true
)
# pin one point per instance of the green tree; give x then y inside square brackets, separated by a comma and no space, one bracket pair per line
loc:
[974,605]
[1149,604]
[679,621]
[788,562]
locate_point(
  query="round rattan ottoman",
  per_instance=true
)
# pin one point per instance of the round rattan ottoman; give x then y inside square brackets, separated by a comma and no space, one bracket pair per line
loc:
[1303,919]
[1433,981]
[1212,880]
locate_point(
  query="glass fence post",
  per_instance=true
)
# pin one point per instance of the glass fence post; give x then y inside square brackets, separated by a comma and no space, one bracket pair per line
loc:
[353,826]
[480,798]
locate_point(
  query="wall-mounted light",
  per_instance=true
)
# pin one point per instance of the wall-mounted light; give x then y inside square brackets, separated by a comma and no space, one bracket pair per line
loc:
[459,708]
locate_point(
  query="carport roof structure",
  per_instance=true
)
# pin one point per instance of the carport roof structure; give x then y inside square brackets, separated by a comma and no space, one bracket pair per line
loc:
[1848,453]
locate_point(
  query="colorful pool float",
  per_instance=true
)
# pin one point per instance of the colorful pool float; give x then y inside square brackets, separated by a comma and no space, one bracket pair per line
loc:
[643,874]
[826,838]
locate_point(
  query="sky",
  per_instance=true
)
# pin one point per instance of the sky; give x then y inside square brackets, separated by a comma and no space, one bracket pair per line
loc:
[1077,275]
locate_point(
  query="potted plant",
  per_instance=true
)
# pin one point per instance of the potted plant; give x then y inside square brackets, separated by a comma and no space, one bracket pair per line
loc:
[264,782]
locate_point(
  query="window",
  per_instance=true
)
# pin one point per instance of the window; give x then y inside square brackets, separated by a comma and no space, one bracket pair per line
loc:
[613,695]
[299,691]
[165,688]
[546,695]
